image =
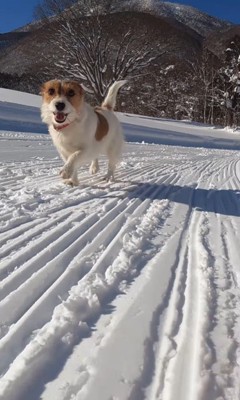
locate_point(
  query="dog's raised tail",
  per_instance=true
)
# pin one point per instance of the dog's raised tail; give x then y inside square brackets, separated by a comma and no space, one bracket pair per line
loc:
[110,100]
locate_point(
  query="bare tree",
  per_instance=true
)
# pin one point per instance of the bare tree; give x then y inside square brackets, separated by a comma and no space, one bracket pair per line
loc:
[87,50]
[204,71]
[230,75]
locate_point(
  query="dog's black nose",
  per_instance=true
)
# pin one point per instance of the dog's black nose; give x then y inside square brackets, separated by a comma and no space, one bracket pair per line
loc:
[60,106]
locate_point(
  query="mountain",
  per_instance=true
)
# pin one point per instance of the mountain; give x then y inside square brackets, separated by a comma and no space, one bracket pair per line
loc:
[11,38]
[177,31]
[182,26]
[29,54]
[218,41]
[188,16]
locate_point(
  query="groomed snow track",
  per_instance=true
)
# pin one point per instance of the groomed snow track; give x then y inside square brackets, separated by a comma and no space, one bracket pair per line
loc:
[125,290]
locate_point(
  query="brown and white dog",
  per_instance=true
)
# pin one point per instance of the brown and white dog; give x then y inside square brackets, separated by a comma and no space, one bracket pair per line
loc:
[80,132]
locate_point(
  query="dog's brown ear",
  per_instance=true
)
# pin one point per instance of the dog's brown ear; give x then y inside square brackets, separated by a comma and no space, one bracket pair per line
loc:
[42,88]
[80,88]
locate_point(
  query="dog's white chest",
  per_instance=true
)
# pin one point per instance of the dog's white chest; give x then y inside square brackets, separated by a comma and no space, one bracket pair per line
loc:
[69,142]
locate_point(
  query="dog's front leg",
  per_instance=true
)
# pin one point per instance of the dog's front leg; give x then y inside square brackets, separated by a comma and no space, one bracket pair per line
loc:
[69,169]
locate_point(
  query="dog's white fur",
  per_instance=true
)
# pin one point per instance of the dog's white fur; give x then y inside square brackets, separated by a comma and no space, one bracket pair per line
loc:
[75,138]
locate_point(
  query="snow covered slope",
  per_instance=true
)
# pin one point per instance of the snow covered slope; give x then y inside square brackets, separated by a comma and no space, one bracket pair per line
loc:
[20,112]
[128,290]
[187,15]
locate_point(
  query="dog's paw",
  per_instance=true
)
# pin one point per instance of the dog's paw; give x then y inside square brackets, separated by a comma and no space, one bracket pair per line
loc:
[71,182]
[66,172]
[94,168]
[109,177]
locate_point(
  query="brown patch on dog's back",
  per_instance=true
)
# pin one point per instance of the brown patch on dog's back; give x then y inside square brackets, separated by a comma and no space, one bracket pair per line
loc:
[102,126]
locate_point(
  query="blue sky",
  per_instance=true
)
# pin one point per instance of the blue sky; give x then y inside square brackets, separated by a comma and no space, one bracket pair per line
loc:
[16,13]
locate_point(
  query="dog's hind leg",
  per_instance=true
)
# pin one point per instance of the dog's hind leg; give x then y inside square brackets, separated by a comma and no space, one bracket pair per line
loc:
[94,167]
[114,155]
[112,162]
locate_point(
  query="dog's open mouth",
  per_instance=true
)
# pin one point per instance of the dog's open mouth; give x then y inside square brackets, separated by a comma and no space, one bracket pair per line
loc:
[60,117]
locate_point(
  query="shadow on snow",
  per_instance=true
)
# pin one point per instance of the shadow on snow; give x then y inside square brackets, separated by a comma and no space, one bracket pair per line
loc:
[219,201]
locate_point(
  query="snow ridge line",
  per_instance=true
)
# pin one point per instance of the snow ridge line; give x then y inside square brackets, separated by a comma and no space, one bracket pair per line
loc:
[227,297]
[174,305]
[63,281]
[73,240]
[174,319]
[189,364]
[7,236]
[159,242]
[179,373]
[19,212]
[43,252]
[41,228]
[45,256]
[92,285]
[130,254]
[183,362]
[27,235]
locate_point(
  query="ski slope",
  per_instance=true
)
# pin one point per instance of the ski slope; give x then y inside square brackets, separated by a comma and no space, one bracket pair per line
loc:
[119,291]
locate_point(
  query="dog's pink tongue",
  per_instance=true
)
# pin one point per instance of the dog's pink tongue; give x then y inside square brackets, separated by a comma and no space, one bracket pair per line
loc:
[60,116]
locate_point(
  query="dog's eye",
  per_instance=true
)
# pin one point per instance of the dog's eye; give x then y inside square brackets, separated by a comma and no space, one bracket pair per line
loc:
[51,91]
[70,93]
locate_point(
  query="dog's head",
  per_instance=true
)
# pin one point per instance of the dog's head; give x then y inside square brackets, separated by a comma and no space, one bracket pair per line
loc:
[62,102]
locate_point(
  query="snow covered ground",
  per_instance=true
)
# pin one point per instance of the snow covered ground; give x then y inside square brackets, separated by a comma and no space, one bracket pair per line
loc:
[121,291]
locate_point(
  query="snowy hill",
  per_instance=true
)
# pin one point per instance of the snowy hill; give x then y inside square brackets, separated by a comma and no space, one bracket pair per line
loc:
[181,27]
[191,17]
[127,290]
[26,58]
[8,39]
[187,15]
